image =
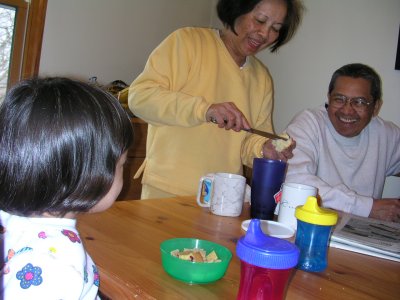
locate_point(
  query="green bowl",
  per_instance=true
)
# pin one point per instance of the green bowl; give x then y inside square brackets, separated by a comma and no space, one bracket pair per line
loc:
[194,272]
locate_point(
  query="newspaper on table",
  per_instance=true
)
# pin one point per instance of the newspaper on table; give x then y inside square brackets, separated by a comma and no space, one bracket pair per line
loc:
[367,236]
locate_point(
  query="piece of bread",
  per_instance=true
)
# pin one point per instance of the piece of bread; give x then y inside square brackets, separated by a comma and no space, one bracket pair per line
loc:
[212,257]
[281,145]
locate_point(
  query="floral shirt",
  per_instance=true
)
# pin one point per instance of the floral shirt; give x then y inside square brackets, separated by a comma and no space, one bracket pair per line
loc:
[43,258]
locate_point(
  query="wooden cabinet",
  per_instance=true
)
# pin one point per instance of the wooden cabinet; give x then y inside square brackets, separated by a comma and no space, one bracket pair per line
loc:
[136,154]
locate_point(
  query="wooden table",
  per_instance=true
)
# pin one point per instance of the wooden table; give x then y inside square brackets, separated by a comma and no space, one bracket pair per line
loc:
[124,243]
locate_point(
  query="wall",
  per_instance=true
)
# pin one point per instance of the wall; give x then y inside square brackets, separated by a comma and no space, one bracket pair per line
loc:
[111,39]
[334,33]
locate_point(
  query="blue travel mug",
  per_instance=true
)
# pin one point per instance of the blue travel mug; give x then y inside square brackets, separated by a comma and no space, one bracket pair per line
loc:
[268,176]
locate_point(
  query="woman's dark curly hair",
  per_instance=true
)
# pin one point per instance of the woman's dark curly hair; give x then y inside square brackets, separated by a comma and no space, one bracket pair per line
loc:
[229,10]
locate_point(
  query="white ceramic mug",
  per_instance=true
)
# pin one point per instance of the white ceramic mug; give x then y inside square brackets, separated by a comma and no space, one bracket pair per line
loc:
[293,195]
[226,193]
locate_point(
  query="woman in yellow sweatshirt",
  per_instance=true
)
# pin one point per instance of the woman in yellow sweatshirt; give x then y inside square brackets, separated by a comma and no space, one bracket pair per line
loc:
[197,75]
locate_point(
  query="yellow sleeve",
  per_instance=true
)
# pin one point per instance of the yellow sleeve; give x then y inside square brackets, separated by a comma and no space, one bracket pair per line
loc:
[156,94]
[253,144]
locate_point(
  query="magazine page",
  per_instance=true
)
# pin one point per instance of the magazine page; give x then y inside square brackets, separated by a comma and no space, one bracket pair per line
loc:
[369,234]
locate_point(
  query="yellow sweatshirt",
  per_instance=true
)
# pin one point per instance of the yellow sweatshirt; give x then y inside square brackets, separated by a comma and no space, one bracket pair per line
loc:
[190,70]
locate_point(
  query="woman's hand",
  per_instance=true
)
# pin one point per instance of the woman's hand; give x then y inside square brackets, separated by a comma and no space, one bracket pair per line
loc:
[227,116]
[270,152]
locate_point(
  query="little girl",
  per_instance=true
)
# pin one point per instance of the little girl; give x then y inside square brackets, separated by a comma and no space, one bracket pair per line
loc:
[63,145]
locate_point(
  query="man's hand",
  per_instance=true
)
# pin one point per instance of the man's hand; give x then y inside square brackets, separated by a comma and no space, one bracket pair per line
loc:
[386,210]
[270,152]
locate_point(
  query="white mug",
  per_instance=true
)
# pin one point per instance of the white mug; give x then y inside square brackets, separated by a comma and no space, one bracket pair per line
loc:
[226,193]
[293,195]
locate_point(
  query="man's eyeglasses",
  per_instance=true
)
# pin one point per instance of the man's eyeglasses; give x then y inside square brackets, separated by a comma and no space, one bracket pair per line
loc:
[360,104]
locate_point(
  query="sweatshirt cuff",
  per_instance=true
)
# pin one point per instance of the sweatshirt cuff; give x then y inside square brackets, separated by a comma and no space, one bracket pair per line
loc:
[363,206]
[201,110]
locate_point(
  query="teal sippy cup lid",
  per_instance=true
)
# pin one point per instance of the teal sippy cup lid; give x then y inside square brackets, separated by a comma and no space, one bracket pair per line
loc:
[259,249]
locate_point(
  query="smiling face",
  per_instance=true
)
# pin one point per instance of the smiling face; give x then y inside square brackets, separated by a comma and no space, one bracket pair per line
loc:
[346,120]
[255,30]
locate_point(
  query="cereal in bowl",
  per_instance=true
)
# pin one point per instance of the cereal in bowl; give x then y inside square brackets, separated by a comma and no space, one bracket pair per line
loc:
[196,255]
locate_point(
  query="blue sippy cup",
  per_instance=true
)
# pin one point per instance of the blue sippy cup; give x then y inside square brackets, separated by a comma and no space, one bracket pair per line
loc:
[314,225]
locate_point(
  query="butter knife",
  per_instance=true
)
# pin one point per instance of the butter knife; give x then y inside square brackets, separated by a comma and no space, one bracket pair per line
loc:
[265,134]
[269,135]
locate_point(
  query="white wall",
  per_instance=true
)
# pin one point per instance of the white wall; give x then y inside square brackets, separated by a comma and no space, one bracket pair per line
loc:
[111,39]
[334,33]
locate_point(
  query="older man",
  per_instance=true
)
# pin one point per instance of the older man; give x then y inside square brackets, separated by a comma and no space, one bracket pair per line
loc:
[347,151]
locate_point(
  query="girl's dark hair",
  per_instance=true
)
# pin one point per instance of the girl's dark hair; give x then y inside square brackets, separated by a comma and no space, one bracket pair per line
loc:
[358,70]
[60,141]
[229,10]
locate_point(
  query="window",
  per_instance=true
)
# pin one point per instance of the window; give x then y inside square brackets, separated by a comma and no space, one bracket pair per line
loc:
[21,32]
